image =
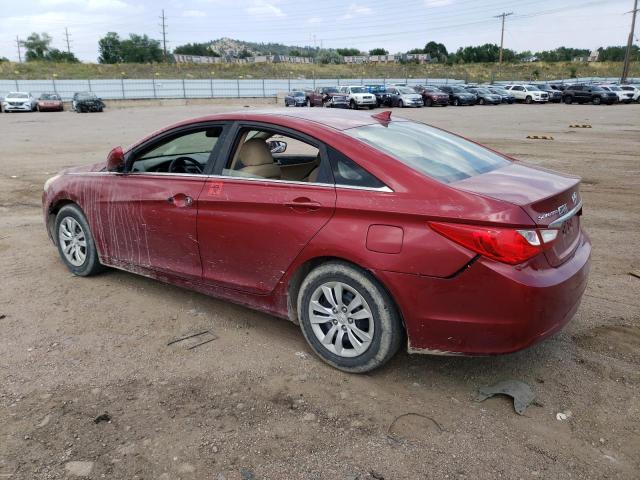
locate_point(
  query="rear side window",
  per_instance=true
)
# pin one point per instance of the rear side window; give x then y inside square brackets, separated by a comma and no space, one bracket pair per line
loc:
[347,172]
[433,152]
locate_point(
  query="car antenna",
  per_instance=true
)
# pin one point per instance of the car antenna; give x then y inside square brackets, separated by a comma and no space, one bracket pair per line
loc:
[383,117]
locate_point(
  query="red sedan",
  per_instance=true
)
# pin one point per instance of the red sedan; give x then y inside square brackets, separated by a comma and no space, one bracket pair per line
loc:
[50,102]
[368,231]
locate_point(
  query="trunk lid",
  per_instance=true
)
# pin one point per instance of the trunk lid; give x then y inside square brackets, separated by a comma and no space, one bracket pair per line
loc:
[544,195]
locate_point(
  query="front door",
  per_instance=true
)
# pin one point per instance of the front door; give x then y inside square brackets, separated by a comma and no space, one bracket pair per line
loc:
[261,210]
[148,214]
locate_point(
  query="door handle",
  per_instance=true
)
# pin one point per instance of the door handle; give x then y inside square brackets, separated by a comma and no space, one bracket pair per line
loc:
[303,204]
[181,200]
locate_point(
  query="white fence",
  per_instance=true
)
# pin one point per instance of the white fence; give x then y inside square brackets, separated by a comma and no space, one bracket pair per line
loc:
[130,89]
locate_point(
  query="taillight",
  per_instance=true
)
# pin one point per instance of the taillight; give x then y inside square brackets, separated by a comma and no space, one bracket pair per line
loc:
[507,245]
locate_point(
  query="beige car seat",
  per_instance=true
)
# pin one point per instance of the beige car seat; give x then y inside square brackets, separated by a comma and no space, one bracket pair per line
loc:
[257,160]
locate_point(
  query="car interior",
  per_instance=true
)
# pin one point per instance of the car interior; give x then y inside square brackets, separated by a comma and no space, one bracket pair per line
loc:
[270,155]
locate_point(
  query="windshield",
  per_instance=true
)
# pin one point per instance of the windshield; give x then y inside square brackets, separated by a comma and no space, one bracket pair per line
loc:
[433,152]
[433,90]
[597,89]
[358,90]
[533,88]
[500,91]
[49,96]
[18,95]
[406,90]
[615,89]
[484,91]
[330,90]
[298,94]
[86,95]
[458,90]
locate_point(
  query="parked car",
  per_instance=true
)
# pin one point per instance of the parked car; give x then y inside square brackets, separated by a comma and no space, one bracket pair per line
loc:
[381,231]
[19,102]
[380,92]
[358,96]
[504,94]
[87,102]
[327,97]
[404,97]
[635,91]
[48,102]
[484,96]
[555,96]
[458,95]
[432,96]
[588,94]
[296,98]
[623,95]
[528,93]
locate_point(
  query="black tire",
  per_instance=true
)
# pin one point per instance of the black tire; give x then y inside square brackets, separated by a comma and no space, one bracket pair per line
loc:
[597,100]
[528,100]
[352,105]
[568,99]
[481,101]
[400,104]
[388,332]
[91,264]
[428,102]
[456,102]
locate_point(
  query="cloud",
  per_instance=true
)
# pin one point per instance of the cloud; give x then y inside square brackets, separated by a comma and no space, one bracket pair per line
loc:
[264,8]
[314,20]
[87,4]
[437,3]
[194,13]
[356,10]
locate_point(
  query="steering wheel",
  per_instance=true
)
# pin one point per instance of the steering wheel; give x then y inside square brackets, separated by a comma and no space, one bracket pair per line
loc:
[180,162]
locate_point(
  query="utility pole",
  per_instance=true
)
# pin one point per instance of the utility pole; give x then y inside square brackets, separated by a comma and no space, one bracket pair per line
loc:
[18,45]
[164,34]
[627,55]
[503,15]
[66,34]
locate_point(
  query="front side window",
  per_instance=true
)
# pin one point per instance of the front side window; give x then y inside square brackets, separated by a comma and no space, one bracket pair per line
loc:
[187,152]
[435,153]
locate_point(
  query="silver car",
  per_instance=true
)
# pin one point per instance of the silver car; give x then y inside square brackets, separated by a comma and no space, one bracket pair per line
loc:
[404,97]
[19,102]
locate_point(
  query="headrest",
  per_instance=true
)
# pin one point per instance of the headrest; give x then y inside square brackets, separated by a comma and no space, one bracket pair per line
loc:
[255,152]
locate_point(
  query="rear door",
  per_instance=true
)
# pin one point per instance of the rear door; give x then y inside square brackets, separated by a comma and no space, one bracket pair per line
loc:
[251,228]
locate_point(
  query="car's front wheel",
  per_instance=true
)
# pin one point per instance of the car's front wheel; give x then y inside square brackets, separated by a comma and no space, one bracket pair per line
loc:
[75,242]
[347,318]
[456,102]
[597,100]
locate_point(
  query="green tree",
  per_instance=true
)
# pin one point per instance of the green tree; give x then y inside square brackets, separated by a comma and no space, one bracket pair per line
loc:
[329,56]
[348,52]
[110,47]
[140,49]
[3,59]
[616,54]
[378,51]
[201,49]
[55,55]
[37,46]
[437,51]
[294,52]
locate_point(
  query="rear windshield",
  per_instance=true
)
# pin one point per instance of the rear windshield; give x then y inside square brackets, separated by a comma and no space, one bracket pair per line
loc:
[435,153]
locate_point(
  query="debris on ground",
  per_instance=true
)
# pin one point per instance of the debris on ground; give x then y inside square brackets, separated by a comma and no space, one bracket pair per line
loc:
[521,393]
[582,125]
[539,137]
[204,337]
[79,469]
[105,417]
[376,475]
[247,474]
[395,438]
[564,415]
[633,274]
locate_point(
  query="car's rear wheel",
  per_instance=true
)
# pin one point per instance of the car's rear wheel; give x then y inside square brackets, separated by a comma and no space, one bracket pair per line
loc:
[428,102]
[75,242]
[400,104]
[352,105]
[456,102]
[528,100]
[568,99]
[347,318]
[597,100]
[481,101]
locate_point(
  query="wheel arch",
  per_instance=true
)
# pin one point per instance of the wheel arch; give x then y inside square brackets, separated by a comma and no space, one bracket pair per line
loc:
[297,277]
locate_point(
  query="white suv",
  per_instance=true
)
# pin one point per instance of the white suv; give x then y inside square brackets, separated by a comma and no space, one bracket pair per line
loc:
[359,96]
[623,95]
[19,102]
[528,93]
[635,91]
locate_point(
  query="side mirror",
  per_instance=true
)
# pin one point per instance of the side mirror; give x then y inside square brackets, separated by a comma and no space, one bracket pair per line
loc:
[277,146]
[115,160]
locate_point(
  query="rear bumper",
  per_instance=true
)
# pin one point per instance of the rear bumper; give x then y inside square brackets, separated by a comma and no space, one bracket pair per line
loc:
[490,308]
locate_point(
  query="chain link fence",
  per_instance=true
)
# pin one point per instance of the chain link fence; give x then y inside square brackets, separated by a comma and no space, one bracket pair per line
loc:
[133,89]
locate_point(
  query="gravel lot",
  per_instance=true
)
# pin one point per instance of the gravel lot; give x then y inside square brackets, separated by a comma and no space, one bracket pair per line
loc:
[255,402]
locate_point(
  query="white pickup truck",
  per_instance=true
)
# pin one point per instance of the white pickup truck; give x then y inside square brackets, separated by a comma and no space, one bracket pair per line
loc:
[528,93]
[359,96]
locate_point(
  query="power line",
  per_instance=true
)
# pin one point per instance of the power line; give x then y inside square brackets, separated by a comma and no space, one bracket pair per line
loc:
[503,15]
[627,55]
[18,45]
[66,34]
[164,34]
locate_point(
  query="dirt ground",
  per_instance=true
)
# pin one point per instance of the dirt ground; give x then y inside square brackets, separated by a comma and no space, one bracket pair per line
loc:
[255,403]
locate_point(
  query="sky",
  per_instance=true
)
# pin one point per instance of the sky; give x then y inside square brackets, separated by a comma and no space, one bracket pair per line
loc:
[396,25]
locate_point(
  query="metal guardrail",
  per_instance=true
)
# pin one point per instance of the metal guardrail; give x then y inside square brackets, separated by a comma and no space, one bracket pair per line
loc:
[133,89]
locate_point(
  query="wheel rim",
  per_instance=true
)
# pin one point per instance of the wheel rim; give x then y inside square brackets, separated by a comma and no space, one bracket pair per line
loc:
[341,319]
[73,241]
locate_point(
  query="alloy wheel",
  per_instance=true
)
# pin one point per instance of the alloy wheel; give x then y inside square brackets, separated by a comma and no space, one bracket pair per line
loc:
[341,319]
[73,241]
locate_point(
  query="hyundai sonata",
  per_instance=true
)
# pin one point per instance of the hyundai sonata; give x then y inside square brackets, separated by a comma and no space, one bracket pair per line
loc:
[367,231]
